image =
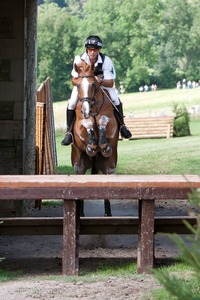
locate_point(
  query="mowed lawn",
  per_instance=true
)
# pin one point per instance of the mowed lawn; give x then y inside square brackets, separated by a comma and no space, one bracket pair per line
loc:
[147,156]
[142,104]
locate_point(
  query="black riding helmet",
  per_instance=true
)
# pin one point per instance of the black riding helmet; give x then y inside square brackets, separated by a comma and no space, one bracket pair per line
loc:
[93,41]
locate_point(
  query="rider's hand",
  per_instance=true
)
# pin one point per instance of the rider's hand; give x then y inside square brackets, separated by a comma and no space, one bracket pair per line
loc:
[99,79]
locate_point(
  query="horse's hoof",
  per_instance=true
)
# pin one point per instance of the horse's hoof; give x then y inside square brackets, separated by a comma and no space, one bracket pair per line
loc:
[106,152]
[91,152]
[108,215]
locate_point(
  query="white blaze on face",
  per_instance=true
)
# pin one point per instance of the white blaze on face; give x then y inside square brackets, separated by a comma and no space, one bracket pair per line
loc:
[85,87]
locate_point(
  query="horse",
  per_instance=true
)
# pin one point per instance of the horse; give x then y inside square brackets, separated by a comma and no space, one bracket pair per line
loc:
[95,129]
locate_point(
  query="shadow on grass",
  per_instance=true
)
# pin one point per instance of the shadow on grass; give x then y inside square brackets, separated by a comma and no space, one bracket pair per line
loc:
[12,268]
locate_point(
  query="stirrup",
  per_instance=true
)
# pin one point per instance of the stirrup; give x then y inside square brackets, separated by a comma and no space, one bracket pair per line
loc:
[68,139]
[125,133]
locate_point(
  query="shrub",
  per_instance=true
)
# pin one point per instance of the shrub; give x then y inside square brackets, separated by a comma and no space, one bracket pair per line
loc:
[181,121]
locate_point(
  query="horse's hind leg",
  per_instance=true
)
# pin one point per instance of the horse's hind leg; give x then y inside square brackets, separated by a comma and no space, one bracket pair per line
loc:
[81,208]
[107,208]
[38,204]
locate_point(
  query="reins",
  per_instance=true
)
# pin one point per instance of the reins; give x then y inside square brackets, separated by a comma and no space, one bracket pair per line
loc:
[109,98]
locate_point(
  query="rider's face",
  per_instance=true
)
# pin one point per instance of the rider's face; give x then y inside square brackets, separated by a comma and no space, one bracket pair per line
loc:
[92,53]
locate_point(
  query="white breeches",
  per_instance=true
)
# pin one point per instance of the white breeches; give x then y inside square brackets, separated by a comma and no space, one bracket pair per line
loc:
[73,99]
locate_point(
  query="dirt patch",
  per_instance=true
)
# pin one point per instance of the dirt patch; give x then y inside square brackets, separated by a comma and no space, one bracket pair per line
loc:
[111,288]
[39,258]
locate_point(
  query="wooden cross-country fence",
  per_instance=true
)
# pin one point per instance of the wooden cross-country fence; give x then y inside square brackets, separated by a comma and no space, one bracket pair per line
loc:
[46,157]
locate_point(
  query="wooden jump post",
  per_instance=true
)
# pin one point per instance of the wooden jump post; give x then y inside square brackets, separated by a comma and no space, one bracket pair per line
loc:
[71,188]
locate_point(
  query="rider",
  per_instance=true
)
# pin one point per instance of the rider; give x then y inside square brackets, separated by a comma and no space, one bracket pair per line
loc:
[105,75]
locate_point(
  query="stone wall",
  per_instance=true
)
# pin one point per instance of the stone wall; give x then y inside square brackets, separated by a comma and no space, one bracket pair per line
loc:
[17,91]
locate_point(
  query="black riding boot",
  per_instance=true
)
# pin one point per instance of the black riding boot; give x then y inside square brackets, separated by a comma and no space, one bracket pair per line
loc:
[70,118]
[125,133]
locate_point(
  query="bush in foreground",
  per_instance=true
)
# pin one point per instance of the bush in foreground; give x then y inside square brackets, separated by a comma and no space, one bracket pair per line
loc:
[180,286]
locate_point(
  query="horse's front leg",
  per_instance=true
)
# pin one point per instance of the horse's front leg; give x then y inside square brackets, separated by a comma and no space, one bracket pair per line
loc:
[91,148]
[91,145]
[104,146]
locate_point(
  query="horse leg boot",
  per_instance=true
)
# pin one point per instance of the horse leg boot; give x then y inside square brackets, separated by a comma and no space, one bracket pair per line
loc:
[125,133]
[70,115]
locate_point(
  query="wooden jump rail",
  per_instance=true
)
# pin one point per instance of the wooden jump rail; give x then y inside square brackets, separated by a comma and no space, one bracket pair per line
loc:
[92,225]
[145,188]
[150,127]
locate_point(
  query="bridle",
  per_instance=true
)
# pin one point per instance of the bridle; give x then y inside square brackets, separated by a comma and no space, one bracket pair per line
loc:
[91,100]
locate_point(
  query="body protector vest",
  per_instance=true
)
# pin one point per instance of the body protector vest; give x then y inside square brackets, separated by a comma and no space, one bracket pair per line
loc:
[98,69]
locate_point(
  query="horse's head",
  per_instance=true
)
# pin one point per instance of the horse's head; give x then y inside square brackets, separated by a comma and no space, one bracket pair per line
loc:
[87,86]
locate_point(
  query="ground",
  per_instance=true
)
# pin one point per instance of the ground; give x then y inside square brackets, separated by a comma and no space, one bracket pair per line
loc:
[39,257]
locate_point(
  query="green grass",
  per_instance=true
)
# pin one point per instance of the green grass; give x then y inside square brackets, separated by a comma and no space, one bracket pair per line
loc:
[108,268]
[102,272]
[152,103]
[51,202]
[8,275]
[161,156]
[142,104]
[148,156]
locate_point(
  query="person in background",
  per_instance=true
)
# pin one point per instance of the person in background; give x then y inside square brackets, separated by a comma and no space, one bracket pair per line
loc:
[105,75]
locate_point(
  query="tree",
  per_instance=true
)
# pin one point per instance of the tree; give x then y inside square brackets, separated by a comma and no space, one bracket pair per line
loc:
[56,42]
[139,26]
[180,48]
[149,41]
[101,18]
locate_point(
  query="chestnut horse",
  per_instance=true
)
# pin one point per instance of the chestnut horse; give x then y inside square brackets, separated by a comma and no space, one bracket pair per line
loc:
[95,129]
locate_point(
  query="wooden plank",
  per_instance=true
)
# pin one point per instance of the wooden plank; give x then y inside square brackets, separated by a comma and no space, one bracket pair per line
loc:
[145,258]
[92,225]
[17,187]
[70,258]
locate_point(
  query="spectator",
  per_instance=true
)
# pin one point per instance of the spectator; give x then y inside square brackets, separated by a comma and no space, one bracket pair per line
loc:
[178,85]
[141,89]
[184,83]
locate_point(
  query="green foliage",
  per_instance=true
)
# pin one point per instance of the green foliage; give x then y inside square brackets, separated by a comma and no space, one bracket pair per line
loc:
[181,288]
[152,41]
[55,40]
[181,121]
